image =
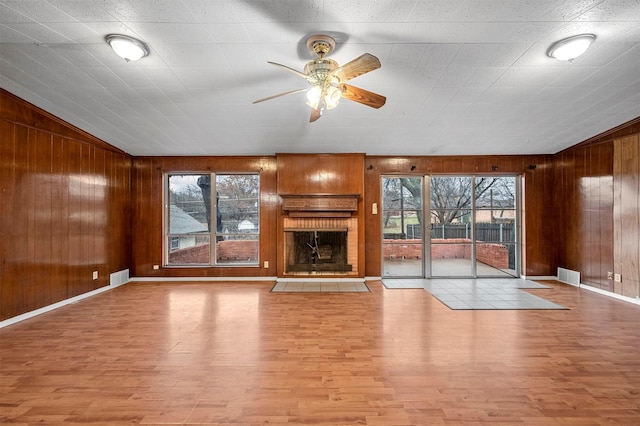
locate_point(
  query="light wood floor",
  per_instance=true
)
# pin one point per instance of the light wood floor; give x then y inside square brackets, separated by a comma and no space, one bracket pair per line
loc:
[234,353]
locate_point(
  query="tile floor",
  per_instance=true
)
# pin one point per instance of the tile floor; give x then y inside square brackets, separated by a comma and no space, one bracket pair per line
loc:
[483,293]
[319,286]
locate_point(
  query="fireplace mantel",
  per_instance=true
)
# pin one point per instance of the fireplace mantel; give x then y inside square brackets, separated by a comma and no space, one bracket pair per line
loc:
[320,205]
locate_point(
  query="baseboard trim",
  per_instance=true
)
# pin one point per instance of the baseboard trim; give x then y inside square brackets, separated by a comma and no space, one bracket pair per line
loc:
[53,306]
[173,279]
[635,301]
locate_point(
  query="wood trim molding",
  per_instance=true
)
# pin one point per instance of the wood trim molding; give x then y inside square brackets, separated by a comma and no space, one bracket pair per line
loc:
[320,205]
[625,129]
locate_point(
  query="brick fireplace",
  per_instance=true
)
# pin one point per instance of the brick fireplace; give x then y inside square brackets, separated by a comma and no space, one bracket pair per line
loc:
[320,235]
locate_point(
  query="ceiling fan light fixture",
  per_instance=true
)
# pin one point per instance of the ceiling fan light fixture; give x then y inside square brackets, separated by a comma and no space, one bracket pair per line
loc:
[128,48]
[570,48]
[327,80]
[332,98]
[313,96]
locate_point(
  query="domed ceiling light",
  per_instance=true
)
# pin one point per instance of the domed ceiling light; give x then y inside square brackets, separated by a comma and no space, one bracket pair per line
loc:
[570,48]
[128,48]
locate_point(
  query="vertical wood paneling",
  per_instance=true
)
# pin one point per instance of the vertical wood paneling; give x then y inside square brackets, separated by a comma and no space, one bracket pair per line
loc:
[627,215]
[539,255]
[584,205]
[39,291]
[59,218]
[55,223]
[119,209]
[7,228]
[320,173]
[74,192]
[20,274]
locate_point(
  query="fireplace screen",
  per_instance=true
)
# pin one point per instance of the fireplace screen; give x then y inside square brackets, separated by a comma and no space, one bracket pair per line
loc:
[316,251]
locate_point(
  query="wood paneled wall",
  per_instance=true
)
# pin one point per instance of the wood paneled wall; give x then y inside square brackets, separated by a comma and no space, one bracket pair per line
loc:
[626,215]
[147,193]
[322,174]
[584,202]
[538,234]
[64,208]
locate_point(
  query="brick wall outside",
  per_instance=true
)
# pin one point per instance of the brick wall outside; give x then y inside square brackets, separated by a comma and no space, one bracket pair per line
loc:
[198,254]
[240,250]
[231,250]
[495,255]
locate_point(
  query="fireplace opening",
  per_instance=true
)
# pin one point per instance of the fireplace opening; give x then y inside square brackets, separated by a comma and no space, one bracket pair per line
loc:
[316,251]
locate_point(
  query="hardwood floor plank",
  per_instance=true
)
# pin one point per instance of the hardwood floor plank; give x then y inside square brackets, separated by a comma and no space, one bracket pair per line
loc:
[233,353]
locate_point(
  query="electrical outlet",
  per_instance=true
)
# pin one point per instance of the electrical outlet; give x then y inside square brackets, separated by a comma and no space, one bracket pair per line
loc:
[617,278]
[95,275]
[156,266]
[266,263]
[374,208]
[609,275]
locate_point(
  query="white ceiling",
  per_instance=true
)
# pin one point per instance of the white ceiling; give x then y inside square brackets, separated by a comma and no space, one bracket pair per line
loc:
[460,77]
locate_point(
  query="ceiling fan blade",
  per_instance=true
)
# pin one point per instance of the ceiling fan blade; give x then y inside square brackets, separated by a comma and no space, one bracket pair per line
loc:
[362,96]
[361,65]
[315,114]
[290,92]
[296,72]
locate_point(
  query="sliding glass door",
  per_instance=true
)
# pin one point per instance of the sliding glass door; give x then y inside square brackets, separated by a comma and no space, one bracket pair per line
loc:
[402,219]
[464,226]
[496,225]
[451,218]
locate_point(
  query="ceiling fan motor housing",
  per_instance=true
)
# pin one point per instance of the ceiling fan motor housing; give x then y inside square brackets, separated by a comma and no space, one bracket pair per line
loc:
[320,71]
[321,45]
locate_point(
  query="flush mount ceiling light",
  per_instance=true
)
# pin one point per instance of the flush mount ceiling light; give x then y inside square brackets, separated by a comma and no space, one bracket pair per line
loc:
[570,48]
[128,48]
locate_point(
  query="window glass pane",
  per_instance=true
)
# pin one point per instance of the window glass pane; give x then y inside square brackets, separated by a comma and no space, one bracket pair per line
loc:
[237,200]
[402,208]
[189,211]
[496,193]
[495,214]
[402,226]
[449,194]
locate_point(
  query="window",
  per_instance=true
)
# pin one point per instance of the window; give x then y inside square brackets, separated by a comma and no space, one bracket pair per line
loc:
[232,200]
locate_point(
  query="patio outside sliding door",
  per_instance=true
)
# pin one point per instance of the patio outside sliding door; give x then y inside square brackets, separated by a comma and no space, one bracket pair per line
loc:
[402,227]
[451,219]
[450,226]
[496,225]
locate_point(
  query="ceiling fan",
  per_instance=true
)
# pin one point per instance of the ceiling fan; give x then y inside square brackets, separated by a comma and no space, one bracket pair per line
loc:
[327,80]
